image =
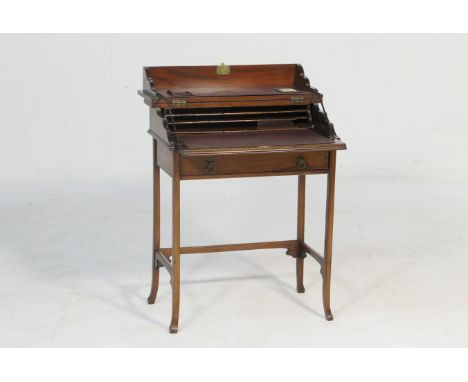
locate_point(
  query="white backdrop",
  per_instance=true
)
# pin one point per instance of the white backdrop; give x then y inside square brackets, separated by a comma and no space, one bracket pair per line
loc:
[75,180]
[69,103]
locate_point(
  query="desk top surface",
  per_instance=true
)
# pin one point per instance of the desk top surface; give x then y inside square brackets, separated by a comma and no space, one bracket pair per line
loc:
[204,86]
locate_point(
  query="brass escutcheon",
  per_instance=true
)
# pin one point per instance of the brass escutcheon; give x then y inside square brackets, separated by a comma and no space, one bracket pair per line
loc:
[209,165]
[223,69]
[301,164]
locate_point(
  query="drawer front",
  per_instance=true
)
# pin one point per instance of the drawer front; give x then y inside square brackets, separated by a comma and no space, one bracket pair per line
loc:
[254,163]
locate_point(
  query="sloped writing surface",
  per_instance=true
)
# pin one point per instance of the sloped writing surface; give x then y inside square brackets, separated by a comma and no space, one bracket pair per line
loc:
[258,139]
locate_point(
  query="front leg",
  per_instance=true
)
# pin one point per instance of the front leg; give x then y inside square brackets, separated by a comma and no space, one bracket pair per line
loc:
[154,282]
[173,328]
[326,267]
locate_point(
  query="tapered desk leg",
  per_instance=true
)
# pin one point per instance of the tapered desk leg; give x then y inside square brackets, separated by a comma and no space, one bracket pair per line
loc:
[175,245]
[300,234]
[326,270]
[156,225]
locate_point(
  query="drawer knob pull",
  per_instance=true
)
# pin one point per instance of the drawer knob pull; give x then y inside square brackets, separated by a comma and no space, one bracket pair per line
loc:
[209,165]
[301,163]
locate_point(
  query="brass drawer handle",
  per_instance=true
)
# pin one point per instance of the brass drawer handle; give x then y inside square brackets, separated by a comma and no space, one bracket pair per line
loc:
[209,165]
[301,163]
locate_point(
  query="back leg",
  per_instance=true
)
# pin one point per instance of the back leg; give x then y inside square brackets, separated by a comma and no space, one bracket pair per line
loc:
[154,282]
[156,225]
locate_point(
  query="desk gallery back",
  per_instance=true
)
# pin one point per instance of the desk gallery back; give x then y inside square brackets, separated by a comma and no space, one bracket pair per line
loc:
[210,122]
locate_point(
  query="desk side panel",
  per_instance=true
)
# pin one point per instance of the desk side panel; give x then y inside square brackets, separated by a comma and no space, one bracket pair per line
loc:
[164,157]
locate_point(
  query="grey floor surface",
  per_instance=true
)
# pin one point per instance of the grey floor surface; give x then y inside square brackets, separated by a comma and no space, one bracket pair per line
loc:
[75,265]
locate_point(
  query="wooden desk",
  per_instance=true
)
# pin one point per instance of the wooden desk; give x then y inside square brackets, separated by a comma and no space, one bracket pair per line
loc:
[239,148]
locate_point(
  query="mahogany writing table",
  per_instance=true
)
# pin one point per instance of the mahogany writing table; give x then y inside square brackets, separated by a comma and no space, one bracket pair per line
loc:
[210,122]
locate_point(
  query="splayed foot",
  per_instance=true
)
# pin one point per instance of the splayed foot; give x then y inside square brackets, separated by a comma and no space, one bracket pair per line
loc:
[174,327]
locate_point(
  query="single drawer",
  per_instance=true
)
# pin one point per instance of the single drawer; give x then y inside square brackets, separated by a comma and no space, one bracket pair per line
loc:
[288,162]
